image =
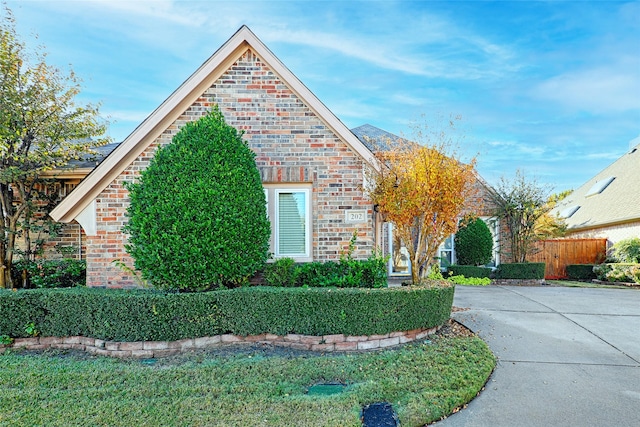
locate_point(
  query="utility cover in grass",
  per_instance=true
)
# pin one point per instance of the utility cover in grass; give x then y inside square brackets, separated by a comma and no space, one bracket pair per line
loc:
[379,414]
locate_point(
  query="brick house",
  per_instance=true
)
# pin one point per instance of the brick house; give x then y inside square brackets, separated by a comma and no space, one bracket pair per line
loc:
[303,152]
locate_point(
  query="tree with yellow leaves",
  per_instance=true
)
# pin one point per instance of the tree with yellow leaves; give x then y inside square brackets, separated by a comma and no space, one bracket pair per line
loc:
[422,190]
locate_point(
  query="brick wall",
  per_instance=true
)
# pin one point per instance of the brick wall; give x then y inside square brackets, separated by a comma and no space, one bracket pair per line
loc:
[292,145]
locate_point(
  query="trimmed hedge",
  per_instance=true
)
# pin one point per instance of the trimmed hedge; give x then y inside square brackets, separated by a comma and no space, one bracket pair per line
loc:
[580,271]
[469,271]
[524,270]
[142,315]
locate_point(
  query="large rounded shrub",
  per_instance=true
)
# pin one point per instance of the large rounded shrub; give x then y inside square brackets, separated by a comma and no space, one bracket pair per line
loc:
[473,243]
[197,218]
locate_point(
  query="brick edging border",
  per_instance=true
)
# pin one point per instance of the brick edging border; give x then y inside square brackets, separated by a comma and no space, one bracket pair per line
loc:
[154,349]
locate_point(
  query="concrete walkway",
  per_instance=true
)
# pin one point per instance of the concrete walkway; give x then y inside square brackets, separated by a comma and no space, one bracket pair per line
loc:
[566,356]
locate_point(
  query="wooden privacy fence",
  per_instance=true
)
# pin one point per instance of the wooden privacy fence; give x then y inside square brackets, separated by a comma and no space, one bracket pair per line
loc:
[559,253]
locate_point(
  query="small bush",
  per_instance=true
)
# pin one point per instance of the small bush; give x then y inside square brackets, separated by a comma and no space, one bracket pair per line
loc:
[627,250]
[469,271]
[470,281]
[53,273]
[524,271]
[580,271]
[346,273]
[618,272]
[140,315]
[280,273]
[473,242]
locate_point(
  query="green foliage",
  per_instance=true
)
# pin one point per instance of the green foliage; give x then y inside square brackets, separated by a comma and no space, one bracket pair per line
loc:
[197,218]
[31,330]
[469,271]
[55,273]
[627,250]
[140,315]
[470,281]
[41,128]
[525,270]
[473,242]
[521,203]
[581,271]
[618,272]
[347,273]
[280,273]
[6,340]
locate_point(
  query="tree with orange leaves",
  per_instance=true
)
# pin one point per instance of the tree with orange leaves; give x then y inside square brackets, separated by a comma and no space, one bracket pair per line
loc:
[422,190]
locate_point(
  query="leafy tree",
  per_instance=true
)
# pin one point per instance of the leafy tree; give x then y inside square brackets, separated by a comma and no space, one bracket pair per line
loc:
[422,190]
[627,250]
[521,203]
[41,129]
[197,218]
[550,225]
[473,242]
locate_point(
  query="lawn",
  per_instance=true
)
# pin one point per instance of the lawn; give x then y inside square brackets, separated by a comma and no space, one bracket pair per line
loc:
[423,381]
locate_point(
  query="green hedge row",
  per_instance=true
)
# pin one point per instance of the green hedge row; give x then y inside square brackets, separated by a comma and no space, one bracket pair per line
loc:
[469,271]
[140,315]
[346,273]
[580,271]
[525,270]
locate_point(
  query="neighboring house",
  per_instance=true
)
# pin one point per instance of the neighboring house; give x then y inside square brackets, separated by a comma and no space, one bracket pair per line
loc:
[303,151]
[608,205]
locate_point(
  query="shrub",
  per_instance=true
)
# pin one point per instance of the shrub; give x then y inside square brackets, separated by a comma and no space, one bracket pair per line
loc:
[139,315]
[197,218]
[617,272]
[524,271]
[470,281]
[54,273]
[347,273]
[627,250]
[469,271]
[473,243]
[281,272]
[580,271]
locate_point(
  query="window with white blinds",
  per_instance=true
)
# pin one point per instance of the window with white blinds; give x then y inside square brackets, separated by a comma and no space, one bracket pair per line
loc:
[289,211]
[292,223]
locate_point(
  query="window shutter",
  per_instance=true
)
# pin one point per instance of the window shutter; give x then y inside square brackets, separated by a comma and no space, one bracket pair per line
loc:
[291,223]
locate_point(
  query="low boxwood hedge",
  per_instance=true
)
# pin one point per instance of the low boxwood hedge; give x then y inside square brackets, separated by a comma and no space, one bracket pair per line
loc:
[142,315]
[580,271]
[524,271]
[469,271]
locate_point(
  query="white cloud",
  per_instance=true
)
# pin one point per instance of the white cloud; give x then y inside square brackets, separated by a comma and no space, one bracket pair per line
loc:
[612,88]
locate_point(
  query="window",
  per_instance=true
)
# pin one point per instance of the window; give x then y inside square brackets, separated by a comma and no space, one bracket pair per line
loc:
[599,186]
[289,210]
[447,253]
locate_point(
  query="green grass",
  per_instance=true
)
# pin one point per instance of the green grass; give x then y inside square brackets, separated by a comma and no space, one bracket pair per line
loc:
[423,381]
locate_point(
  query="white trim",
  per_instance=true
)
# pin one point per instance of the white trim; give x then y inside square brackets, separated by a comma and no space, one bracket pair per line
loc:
[307,223]
[88,219]
[153,126]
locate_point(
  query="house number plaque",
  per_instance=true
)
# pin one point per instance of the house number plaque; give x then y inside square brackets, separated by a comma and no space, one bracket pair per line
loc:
[355,216]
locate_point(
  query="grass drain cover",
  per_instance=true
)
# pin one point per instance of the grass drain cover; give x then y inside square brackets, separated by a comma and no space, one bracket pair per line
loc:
[379,414]
[326,389]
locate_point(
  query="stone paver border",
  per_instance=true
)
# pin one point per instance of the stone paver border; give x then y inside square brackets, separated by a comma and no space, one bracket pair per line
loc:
[154,349]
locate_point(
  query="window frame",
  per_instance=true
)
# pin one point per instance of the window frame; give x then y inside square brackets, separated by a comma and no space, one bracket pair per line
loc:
[272,192]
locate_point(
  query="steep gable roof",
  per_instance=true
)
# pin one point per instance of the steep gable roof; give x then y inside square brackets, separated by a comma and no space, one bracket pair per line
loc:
[179,101]
[610,197]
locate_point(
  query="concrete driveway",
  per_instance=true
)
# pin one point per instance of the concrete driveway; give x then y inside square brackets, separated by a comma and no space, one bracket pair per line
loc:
[566,356]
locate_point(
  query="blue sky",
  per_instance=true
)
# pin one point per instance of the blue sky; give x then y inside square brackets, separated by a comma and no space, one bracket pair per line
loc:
[551,88]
